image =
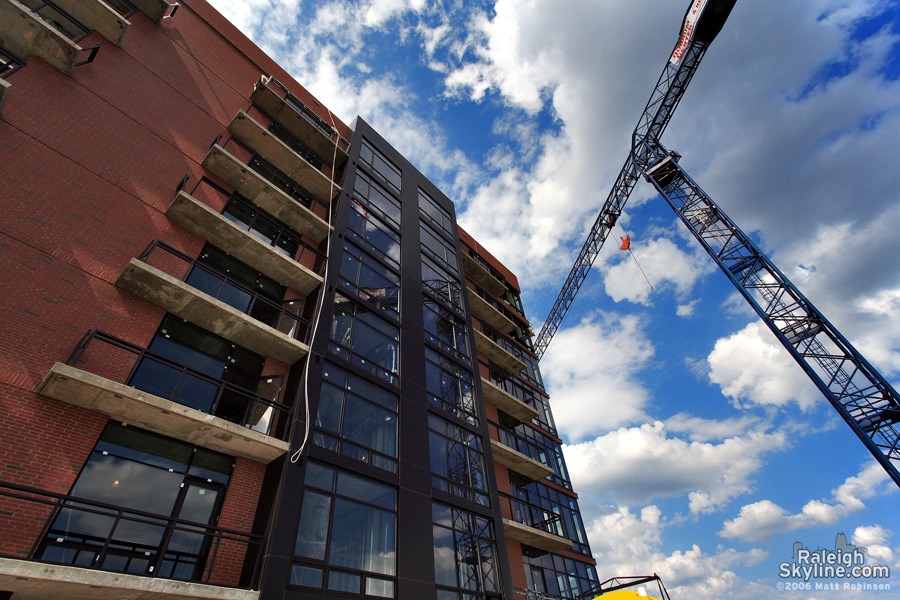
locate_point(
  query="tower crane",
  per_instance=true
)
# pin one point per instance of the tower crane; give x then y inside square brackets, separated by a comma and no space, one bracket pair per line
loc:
[859,393]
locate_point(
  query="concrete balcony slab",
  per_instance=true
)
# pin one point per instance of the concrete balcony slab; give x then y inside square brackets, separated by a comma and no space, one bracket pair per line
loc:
[131,405]
[5,86]
[500,357]
[282,156]
[203,310]
[155,9]
[258,190]
[490,315]
[29,580]
[98,16]
[507,402]
[482,276]
[534,537]
[204,221]
[29,36]
[278,108]
[518,462]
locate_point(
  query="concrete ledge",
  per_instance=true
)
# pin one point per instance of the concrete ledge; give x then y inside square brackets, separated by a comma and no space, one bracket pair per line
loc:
[282,156]
[518,462]
[201,309]
[98,16]
[482,276]
[5,86]
[490,315]
[503,359]
[155,9]
[252,186]
[277,108]
[204,221]
[27,35]
[39,581]
[131,405]
[507,402]
[534,537]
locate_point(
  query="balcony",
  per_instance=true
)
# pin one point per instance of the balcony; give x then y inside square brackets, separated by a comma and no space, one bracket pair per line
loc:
[9,64]
[29,520]
[518,453]
[94,14]
[244,317]
[499,350]
[480,272]
[295,211]
[488,310]
[532,525]
[157,10]
[282,156]
[122,380]
[240,243]
[506,402]
[272,97]
[29,33]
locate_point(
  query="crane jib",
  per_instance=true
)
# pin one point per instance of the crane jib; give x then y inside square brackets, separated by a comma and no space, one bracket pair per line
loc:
[703,21]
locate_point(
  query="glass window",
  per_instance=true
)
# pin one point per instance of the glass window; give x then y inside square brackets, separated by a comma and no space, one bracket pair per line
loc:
[262,226]
[438,248]
[558,576]
[379,163]
[370,280]
[439,217]
[457,460]
[357,419]
[377,199]
[365,339]
[441,284]
[369,231]
[351,523]
[140,471]
[450,387]
[562,504]
[465,554]
[445,329]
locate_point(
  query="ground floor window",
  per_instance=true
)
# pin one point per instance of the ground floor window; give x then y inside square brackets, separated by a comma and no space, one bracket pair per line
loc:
[465,554]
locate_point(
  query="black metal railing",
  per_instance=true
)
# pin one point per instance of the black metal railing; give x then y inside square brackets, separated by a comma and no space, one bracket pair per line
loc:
[96,535]
[295,143]
[116,359]
[487,266]
[9,62]
[531,515]
[305,112]
[280,236]
[219,284]
[123,7]
[274,175]
[509,385]
[501,340]
[512,439]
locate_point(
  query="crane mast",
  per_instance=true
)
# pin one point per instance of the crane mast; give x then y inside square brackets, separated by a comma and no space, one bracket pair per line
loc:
[859,393]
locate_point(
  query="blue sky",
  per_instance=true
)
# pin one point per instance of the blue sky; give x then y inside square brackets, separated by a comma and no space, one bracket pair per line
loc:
[701,452]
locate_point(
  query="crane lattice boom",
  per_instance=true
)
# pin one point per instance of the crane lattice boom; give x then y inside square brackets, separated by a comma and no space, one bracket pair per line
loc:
[861,395]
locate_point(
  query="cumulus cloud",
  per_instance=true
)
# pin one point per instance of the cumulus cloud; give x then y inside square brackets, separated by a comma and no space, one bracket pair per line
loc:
[760,520]
[752,368]
[635,465]
[592,370]
[874,538]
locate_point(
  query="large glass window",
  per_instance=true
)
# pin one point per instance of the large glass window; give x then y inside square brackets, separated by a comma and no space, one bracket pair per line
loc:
[347,534]
[439,217]
[457,460]
[357,419]
[438,248]
[374,197]
[465,554]
[380,165]
[363,338]
[441,284]
[370,280]
[369,231]
[450,387]
[445,329]
[558,576]
[562,504]
[141,471]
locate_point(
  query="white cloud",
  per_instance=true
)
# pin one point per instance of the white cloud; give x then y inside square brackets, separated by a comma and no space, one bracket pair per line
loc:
[591,372]
[760,520]
[638,464]
[875,539]
[751,367]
